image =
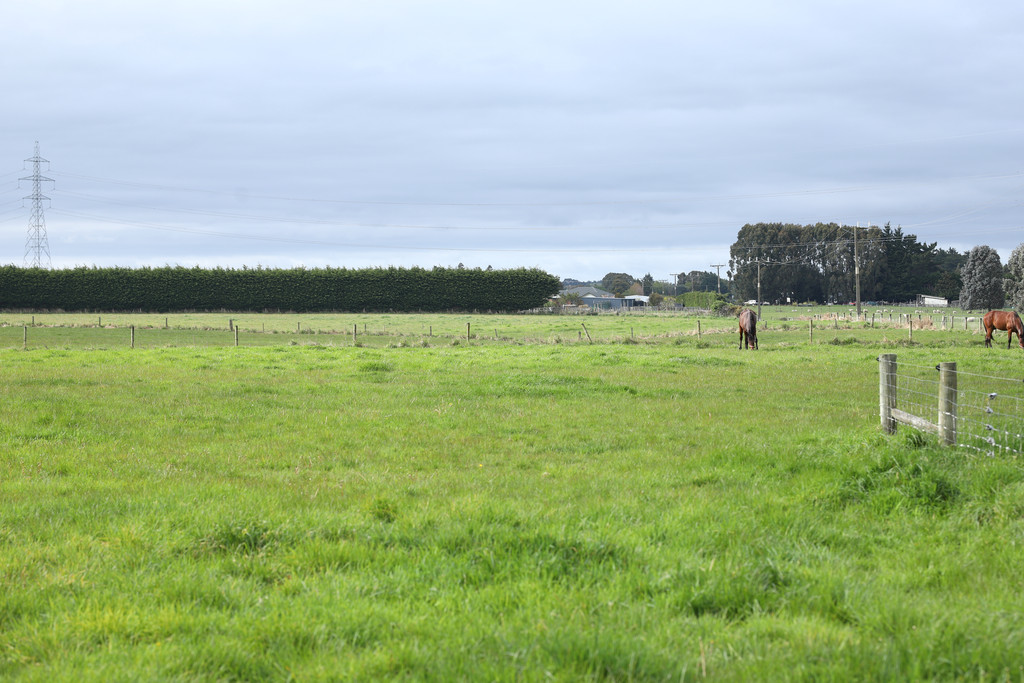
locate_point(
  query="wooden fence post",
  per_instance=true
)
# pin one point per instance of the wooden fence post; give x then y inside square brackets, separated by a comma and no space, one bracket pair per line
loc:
[236,335]
[947,403]
[811,329]
[24,340]
[887,391]
[133,336]
[588,333]
[698,330]
[467,331]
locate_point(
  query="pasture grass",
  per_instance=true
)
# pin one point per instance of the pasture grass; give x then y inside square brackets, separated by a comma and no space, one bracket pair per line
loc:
[661,510]
[779,326]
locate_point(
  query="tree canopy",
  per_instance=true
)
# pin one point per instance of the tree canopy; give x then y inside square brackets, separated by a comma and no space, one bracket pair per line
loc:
[820,262]
[983,280]
[698,281]
[617,283]
[1013,285]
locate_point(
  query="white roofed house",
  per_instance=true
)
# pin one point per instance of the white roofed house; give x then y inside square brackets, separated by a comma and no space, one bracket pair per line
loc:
[586,291]
[597,298]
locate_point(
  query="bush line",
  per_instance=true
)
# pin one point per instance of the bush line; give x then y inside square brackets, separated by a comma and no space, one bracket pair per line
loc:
[170,289]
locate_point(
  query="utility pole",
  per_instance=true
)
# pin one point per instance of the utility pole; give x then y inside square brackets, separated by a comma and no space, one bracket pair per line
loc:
[675,283]
[758,289]
[856,268]
[718,269]
[37,247]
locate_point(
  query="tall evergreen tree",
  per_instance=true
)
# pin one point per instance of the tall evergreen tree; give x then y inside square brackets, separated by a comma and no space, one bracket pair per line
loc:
[1013,286]
[982,280]
[911,268]
[648,283]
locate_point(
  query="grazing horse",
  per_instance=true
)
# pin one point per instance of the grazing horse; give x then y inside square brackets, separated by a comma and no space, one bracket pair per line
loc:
[748,329]
[1003,320]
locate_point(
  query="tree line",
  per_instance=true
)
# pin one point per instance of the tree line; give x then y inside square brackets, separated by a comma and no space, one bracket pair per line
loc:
[623,284]
[169,289]
[820,263]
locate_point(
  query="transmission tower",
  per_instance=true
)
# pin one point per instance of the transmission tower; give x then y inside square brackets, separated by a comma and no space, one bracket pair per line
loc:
[37,247]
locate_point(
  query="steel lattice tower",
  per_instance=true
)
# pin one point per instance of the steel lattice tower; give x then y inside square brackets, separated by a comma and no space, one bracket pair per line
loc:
[37,247]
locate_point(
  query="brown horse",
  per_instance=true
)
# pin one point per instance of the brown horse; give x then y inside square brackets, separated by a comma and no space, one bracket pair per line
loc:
[748,329]
[1003,320]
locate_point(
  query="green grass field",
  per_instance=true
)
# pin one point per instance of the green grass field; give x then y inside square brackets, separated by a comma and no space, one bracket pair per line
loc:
[781,324]
[650,506]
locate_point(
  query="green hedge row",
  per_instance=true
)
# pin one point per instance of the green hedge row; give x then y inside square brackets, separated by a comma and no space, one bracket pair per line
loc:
[269,289]
[709,300]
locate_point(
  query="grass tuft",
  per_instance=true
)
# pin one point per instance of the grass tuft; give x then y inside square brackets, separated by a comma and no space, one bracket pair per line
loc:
[254,537]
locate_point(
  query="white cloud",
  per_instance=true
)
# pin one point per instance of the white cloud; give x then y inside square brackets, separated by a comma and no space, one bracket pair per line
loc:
[600,123]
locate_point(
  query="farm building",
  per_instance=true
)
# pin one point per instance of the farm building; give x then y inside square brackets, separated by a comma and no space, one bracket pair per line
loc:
[612,302]
[586,291]
[928,300]
[598,298]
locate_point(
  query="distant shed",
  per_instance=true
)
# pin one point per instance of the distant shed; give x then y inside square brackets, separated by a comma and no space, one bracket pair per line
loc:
[928,300]
[611,302]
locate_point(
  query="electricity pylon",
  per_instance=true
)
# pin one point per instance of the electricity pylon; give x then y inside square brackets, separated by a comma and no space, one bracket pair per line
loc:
[37,247]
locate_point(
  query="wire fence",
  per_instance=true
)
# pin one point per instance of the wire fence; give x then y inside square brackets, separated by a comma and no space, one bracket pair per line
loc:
[987,412]
[992,412]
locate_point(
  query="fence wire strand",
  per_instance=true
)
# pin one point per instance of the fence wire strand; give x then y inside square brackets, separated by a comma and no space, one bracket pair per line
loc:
[989,409]
[991,418]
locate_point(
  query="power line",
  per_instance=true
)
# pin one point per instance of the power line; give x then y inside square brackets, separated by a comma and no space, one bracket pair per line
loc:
[613,202]
[406,226]
[292,240]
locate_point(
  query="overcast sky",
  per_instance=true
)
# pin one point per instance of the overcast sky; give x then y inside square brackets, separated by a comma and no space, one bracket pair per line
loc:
[578,137]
